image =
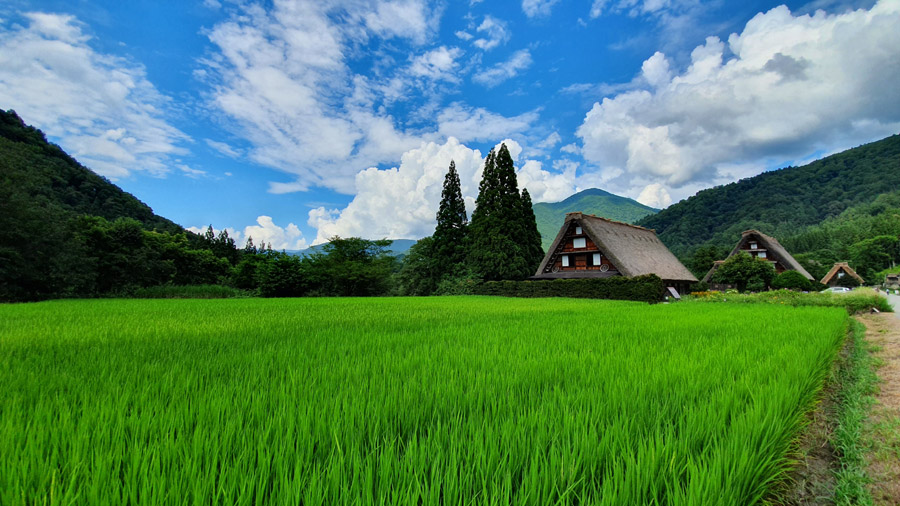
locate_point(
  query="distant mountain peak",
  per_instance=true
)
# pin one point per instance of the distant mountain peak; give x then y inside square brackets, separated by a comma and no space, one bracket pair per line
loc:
[551,215]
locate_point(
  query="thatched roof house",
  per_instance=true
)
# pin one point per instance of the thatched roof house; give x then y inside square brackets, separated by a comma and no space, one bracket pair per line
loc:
[837,272]
[588,246]
[760,245]
[892,281]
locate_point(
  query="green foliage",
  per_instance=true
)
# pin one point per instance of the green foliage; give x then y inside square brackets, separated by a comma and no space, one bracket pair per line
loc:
[500,247]
[784,201]
[420,273]
[188,292]
[791,280]
[44,172]
[874,254]
[464,283]
[550,216]
[282,275]
[847,281]
[468,400]
[648,288]
[352,267]
[699,286]
[859,300]
[703,258]
[531,237]
[67,232]
[449,239]
[745,272]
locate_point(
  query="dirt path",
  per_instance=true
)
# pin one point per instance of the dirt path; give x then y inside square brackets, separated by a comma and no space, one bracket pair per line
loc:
[883,331]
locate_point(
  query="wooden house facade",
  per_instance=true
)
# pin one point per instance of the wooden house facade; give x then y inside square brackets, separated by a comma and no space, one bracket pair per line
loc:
[588,246]
[760,245]
[838,272]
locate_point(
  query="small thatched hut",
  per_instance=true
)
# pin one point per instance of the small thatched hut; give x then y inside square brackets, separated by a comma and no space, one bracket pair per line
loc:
[840,269]
[589,246]
[760,245]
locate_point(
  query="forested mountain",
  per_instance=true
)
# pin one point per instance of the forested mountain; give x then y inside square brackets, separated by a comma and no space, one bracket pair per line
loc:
[35,169]
[550,216]
[65,231]
[782,202]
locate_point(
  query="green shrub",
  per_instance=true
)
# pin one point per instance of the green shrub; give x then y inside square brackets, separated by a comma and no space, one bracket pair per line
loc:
[648,288]
[847,281]
[791,280]
[188,292]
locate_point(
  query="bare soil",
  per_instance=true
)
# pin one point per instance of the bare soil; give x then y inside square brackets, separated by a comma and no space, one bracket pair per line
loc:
[883,331]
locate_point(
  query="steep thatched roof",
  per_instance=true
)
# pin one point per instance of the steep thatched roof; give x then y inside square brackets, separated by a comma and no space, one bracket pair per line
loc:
[774,250]
[633,250]
[841,266]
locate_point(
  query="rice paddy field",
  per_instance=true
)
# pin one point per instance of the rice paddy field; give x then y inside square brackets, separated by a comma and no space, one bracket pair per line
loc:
[452,401]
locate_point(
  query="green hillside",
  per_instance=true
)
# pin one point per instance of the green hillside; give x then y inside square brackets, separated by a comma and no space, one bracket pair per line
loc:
[780,203]
[594,201]
[44,175]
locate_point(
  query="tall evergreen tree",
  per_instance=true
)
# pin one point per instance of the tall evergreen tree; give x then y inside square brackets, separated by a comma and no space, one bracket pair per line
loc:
[531,238]
[496,251]
[449,239]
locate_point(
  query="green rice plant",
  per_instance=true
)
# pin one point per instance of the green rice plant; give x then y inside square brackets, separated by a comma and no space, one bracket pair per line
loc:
[439,400]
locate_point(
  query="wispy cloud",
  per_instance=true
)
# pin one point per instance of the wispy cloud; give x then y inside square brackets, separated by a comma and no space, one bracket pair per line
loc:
[102,108]
[519,61]
[536,8]
[288,77]
[492,32]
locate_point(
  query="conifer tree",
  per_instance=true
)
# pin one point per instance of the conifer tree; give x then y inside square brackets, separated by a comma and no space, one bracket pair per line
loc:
[209,236]
[249,247]
[449,240]
[531,238]
[496,251]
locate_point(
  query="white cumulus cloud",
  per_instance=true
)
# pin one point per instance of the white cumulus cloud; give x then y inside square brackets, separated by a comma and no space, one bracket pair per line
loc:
[265,230]
[655,195]
[782,88]
[401,203]
[103,108]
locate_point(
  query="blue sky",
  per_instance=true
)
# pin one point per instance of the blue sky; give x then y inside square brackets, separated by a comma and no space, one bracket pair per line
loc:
[294,121]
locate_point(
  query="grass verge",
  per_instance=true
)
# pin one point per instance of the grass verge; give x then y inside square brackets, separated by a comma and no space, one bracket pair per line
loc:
[858,380]
[862,299]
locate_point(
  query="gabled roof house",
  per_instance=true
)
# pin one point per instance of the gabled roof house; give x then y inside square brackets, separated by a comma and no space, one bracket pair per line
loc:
[837,272]
[589,246]
[760,245]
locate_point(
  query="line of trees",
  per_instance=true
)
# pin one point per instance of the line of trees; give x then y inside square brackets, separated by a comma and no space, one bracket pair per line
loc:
[47,251]
[501,242]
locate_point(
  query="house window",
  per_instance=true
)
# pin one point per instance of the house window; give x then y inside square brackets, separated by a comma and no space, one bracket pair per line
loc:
[596,259]
[577,230]
[762,254]
[579,242]
[840,274]
[565,260]
[753,245]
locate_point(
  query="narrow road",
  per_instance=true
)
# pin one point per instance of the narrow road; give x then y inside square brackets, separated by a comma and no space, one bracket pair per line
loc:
[883,331]
[895,303]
